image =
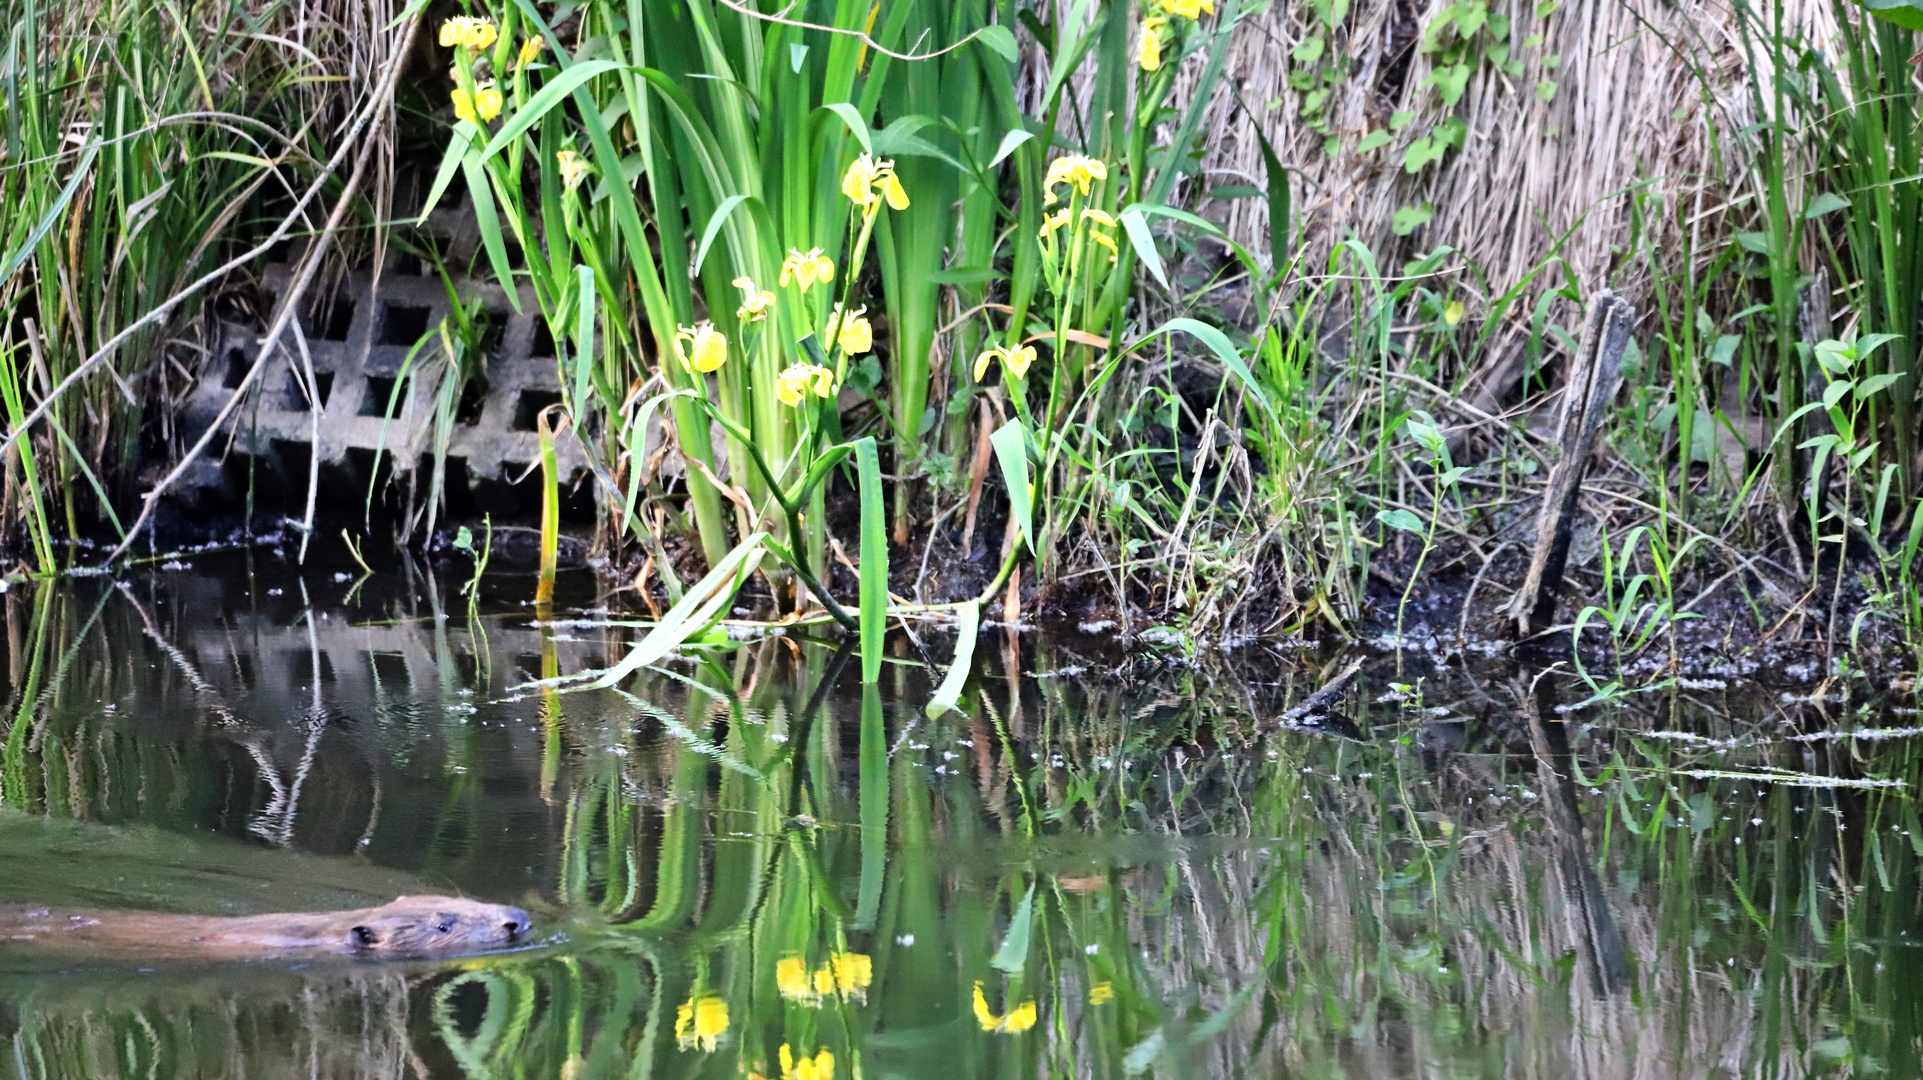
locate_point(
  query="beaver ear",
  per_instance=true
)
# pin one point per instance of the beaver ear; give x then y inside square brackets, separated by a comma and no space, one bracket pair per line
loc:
[364,937]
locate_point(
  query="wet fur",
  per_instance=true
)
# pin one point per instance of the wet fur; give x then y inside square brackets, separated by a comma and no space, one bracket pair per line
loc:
[408,926]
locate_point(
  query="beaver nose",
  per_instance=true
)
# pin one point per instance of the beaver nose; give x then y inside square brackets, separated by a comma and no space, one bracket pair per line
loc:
[518,923]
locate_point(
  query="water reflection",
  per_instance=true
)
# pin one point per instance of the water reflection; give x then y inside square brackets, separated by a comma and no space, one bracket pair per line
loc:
[751,866]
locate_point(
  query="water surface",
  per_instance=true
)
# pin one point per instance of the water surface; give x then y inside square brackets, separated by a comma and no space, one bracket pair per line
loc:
[1104,864]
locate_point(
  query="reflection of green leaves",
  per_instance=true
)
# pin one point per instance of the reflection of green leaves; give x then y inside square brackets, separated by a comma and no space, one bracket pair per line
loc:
[1014,951]
[949,693]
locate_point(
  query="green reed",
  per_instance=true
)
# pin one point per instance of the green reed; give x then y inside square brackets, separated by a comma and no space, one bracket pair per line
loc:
[135,140]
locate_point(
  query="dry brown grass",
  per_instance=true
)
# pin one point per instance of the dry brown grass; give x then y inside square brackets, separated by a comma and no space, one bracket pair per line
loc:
[1649,92]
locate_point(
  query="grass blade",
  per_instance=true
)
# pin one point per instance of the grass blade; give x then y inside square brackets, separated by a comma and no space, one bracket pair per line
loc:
[948,694]
[1011,450]
[696,610]
[874,560]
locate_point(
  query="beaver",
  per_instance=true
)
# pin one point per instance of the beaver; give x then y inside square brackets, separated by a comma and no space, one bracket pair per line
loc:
[410,926]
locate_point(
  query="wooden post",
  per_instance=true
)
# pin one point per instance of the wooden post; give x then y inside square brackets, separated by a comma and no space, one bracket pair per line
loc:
[1594,376]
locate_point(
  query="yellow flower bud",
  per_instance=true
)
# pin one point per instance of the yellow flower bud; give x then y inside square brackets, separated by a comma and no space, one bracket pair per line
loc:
[470,32]
[481,34]
[1018,359]
[1014,361]
[789,386]
[792,978]
[756,302]
[700,348]
[574,168]
[854,334]
[530,51]
[487,102]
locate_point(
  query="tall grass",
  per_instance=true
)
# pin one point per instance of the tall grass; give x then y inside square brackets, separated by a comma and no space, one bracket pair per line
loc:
[1041,334]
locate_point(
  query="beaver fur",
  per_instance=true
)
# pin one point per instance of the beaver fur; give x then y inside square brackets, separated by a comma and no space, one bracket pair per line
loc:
[407,926]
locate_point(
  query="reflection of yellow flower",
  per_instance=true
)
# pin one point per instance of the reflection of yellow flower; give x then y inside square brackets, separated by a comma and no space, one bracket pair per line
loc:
[791,972]
[1015,361]
[1018,1020]
[855,334]
[701,1021]
[485,105]
[806,269]
[574,168]
[1151,55]
[701,348]
[845,973]
[530,50]
[869,180]
[819,1067]
[467,30]
[1073,169]
[791,975]
[1101,993]
[755,302]
[854,972]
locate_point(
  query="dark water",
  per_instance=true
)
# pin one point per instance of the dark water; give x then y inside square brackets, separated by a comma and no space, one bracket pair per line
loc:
[1142,873]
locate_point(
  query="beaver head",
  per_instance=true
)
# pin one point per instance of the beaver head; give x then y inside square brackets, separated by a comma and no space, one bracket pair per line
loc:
[430,925]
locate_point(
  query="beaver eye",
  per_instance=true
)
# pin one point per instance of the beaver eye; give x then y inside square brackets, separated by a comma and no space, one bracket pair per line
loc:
[364,936]
[444,926]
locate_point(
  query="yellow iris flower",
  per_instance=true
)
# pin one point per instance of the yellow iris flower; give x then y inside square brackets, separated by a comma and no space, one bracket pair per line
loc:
[574,168]
[1189,9]
[1151,55]
[1018,1020]
[485,105]
[1076,169]
[806,269]
[791,975]
[467,30]
[1052,222]
[701,348]
[530,51]
[868,181]
[755,302]
[700,1021]
[1101,993]
[855,334]
[1015,361]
